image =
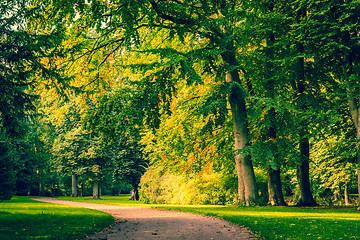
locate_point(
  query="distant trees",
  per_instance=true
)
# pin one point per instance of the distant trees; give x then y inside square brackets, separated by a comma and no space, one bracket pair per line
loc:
[21,52]
[114,117]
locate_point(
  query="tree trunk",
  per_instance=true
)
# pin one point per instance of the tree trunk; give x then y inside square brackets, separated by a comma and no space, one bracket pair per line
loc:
[355,113]
[95,189]
[74,186]
[81,189]
[353,103]
[358,171]
[135,193]
[346,194]
[247,190]
[305,194]
[276,197]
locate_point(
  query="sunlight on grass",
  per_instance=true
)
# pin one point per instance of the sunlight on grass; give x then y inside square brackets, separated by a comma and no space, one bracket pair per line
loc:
[267,222]
[22,218]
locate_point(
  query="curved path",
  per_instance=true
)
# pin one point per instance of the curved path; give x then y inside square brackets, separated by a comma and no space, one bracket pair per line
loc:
[145,223]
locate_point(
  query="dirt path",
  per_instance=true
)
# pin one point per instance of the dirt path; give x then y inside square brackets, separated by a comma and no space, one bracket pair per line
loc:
[145,223]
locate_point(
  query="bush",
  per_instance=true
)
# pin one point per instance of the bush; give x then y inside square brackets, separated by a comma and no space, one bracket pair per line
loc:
[171,188]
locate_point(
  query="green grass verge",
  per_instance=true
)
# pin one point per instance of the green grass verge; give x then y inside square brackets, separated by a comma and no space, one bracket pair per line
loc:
[22,218]
[269,222]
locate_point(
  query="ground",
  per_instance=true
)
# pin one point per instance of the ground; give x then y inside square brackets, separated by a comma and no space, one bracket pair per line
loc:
[145,223]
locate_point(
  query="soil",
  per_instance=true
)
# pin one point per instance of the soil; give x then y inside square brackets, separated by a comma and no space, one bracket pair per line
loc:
[145,223]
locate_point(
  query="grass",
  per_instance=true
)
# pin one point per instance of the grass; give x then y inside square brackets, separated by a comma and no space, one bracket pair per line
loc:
[22,218]
[270,222]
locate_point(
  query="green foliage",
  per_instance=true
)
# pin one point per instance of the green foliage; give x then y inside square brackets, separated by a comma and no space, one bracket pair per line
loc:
[297,67]
[117,120]
[333,166]
[171,188]
[7,172]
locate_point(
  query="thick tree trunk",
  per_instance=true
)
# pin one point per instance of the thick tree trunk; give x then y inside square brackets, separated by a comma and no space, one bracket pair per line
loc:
[247,190]
[353,103]
[305,194]
[95,189]
[74,186]
[135,193]
[276,197]
[355,114]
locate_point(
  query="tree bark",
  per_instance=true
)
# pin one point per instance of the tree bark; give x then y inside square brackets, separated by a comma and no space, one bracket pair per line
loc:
[74,186]
[276,197]
[346,194]
[135,193]
[247,190]
[305,194]
[353,103]
[355,115]
[95,189]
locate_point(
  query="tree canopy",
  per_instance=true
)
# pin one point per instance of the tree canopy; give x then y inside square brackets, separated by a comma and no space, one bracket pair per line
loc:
[262,95]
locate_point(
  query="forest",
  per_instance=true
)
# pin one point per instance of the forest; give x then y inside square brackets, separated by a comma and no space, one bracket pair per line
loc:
[181,102]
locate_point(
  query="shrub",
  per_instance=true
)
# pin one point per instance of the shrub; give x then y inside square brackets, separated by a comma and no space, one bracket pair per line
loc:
[171,188]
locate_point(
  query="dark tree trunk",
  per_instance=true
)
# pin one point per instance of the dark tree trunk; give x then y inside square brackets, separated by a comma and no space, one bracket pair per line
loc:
[353,102]
[305,194]
[74,186]
[247,190]
[276,197]
[354,112]
[81,189]
[96,189]
[135,193]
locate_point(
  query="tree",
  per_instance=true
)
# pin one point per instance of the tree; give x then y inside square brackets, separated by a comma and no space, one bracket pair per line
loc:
[118,121]
[337,31]
[215,24]
[21,53]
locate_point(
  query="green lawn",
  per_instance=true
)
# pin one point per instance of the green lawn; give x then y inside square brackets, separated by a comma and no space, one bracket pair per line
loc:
[22,218]
[271,222]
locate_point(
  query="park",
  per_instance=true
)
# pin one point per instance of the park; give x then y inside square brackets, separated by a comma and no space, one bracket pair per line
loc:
[240,111]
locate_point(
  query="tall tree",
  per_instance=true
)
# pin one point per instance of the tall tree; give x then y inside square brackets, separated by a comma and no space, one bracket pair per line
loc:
[336,28]
[213,23]
[118,121]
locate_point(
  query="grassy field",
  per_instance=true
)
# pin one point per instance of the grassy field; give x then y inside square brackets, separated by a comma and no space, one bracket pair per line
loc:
[270,222]
[22,218]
